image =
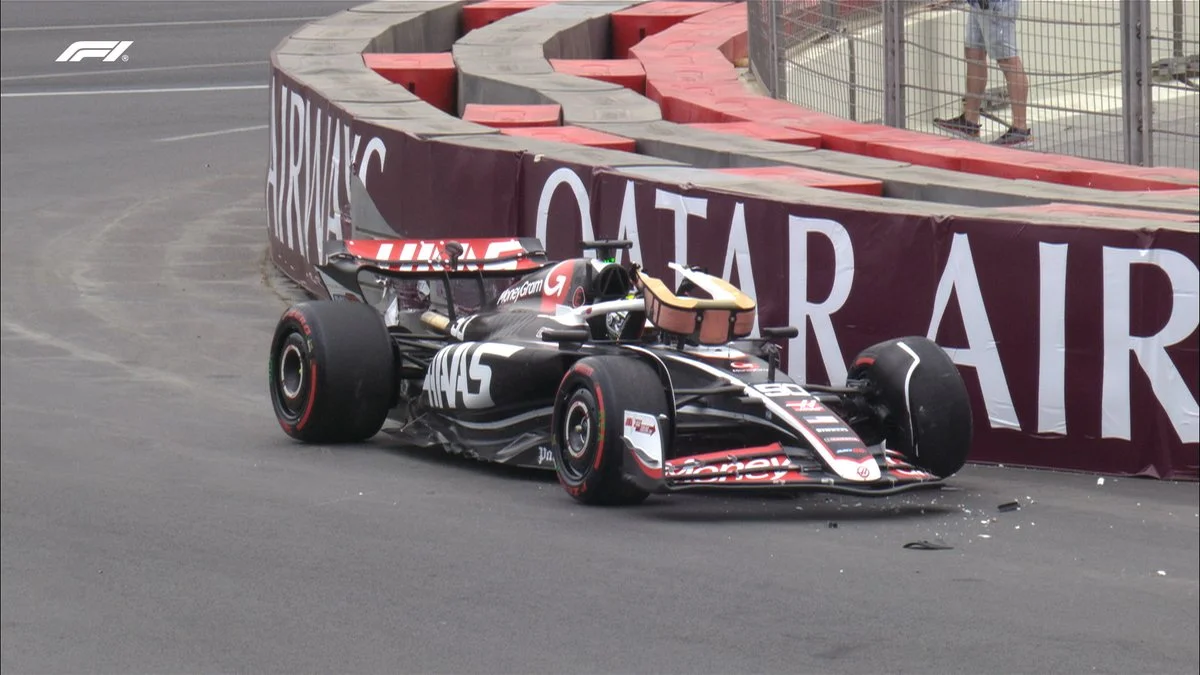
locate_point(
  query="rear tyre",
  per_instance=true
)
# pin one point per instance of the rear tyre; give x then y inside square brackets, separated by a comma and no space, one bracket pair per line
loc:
[923,408]
[331,372]
[589,414]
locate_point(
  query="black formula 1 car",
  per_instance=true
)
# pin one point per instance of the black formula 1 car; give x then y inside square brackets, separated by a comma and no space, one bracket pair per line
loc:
[625,386]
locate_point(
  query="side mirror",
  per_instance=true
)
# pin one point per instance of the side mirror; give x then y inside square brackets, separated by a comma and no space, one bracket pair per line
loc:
[776,332]
[454,250]
[579,334]
[771,349]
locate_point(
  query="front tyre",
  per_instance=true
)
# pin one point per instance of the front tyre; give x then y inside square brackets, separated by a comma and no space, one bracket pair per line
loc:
[923,408]
[331,372]
[589,416]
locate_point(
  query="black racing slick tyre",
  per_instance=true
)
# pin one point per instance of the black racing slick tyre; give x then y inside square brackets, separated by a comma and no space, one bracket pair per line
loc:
[923,408]
[589,414]
[331,372]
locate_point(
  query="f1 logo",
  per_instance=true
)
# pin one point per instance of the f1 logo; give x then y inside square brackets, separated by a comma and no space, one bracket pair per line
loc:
[107,50]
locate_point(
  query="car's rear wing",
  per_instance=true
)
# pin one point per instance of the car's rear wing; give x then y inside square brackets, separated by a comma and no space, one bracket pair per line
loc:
[426,259]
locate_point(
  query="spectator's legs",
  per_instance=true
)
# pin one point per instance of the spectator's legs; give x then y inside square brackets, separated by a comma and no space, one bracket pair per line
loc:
[1004,46]
[977,68]
[1018,89]
[967,123]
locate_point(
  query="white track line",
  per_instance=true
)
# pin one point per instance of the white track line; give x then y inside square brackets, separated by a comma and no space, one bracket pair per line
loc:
[101,92]
[122,71]
[206,134]
[156,24]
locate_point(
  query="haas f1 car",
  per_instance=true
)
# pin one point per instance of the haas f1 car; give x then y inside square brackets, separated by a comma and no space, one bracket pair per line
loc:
[622,384]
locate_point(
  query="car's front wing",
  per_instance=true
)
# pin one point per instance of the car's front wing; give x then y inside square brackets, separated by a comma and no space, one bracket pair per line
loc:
[776,466]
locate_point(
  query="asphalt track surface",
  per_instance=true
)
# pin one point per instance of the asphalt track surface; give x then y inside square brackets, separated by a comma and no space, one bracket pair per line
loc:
[155,519]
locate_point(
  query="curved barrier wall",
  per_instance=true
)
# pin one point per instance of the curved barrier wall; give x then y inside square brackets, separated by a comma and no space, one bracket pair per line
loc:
[1077,334]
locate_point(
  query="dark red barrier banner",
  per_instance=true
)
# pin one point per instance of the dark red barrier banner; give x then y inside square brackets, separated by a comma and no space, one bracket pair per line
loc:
[311,158]
[1080,345]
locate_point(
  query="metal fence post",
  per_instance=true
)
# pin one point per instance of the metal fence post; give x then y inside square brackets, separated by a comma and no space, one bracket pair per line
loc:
[851,78]
[756,37]
[783,44]
[1135,80]
[893,64]
[775,52]
[1145,17]
[1177,29]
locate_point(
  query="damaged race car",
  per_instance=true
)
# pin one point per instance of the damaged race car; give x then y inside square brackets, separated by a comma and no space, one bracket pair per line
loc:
[622,384]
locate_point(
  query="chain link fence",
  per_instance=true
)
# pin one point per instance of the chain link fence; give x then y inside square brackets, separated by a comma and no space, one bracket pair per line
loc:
[1117,80]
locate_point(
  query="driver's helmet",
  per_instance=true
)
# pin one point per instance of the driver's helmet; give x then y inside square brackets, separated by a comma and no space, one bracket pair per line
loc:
[614,324]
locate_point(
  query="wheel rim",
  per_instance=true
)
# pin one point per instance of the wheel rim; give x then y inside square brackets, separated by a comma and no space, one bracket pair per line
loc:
[578,431]
[577,434]
[291,372]
[291,377]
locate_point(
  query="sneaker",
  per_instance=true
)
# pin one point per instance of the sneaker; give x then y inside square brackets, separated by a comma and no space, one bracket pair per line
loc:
[958,125]
[1014,137]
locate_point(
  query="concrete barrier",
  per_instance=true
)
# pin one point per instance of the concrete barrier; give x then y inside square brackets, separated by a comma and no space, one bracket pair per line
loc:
[1037,307]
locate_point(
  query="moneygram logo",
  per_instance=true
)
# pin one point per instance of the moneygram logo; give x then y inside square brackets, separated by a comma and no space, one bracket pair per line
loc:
[105,50]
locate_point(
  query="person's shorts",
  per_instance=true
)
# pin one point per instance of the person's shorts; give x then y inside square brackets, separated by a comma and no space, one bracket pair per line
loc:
[994,30]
